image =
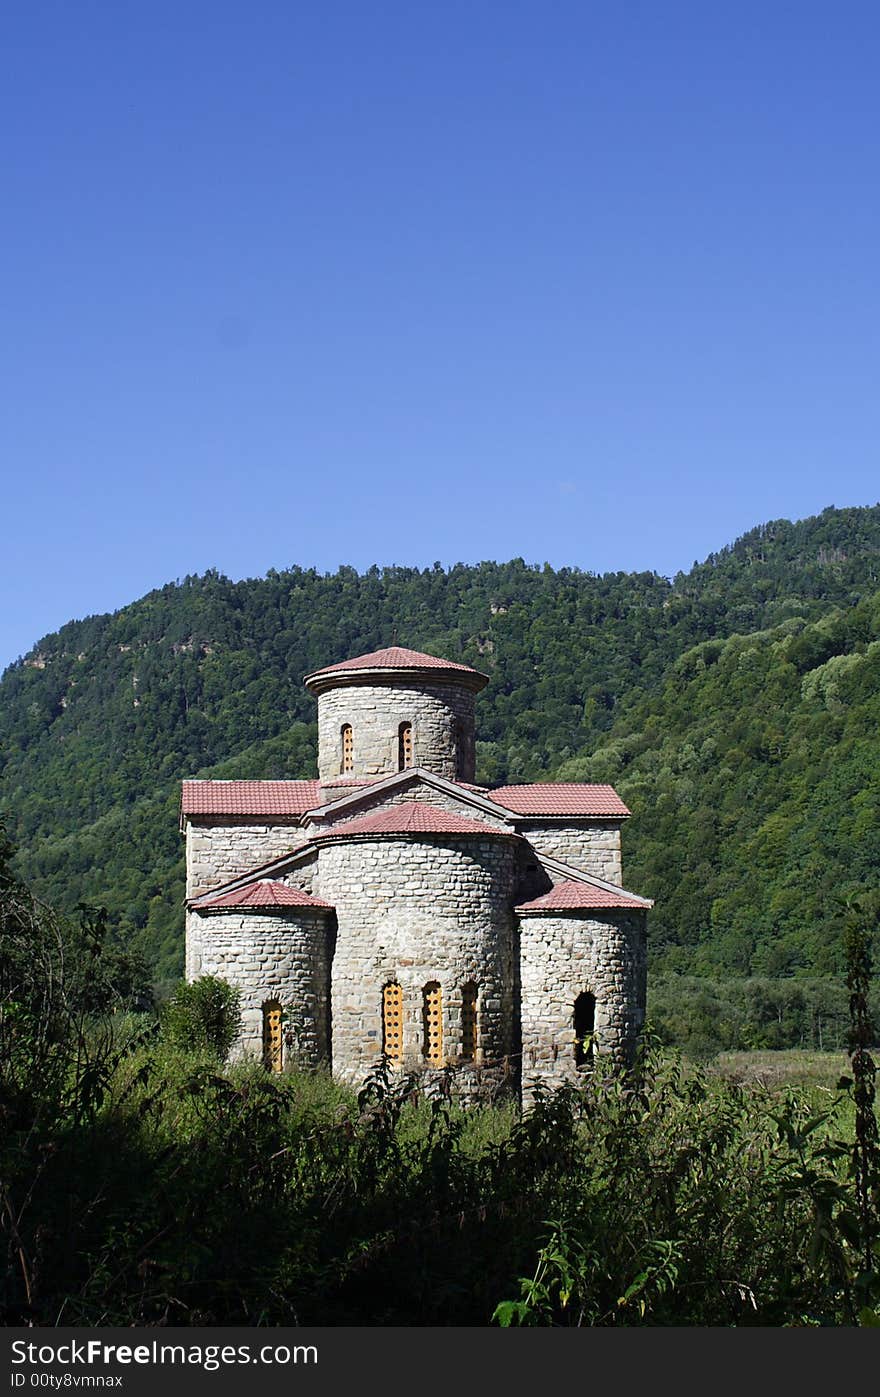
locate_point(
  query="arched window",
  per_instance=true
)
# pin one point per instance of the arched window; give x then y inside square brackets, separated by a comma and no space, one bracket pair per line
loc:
[272,1016]
[469,1021]
[347,748]
[404,746]
[392,1021]
[584,1029]
[432,1024]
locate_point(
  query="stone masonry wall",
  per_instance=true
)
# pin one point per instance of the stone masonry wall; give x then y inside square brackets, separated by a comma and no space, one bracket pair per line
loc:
[590,846]
[278,955]
[566,954]
[417,910]
[220,847]
[442,717]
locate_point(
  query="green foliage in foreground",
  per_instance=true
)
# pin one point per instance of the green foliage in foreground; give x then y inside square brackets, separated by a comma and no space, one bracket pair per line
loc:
[60,980]
[141,1184]
[193,1196]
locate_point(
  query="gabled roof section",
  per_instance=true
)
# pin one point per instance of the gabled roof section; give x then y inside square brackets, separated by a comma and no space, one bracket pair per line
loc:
[573,894]
[281,864]
[412,817]
[559,798]
[396,659]
[567,873]
[471,796]
[267,894]
[282,799]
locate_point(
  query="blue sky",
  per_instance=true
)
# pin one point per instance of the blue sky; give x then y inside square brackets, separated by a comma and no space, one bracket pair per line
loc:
[325,283]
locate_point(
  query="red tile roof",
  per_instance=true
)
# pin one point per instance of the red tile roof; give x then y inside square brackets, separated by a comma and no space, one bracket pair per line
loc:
[573,894]
[411,817]
[258,798]
[266,894]
[289,799]
[395,657]
[560,798]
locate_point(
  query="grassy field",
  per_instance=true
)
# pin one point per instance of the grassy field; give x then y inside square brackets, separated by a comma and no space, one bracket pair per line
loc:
[788,1067]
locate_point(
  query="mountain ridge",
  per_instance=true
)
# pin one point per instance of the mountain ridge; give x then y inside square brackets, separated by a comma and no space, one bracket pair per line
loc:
[100,721]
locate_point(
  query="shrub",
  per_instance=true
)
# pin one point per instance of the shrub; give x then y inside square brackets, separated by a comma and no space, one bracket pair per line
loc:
[202,1014]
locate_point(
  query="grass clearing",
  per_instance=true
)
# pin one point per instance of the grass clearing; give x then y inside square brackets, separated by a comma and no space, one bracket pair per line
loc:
[783,1067]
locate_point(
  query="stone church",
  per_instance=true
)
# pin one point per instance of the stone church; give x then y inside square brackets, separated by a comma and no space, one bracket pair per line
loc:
[394,906]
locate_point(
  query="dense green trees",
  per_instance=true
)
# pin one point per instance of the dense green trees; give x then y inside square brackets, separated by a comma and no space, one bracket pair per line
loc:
[736,708]
[56,974]
[754,773]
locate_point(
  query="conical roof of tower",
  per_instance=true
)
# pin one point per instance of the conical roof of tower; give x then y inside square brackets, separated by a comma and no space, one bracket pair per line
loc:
[398,661]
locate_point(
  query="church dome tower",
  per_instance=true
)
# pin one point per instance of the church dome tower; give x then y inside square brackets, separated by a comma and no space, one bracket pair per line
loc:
[392,709]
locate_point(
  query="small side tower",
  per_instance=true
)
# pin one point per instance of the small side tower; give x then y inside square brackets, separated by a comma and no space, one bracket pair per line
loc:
[392,709]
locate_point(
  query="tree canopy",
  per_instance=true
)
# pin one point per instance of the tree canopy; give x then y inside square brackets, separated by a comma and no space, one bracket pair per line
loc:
[735,707]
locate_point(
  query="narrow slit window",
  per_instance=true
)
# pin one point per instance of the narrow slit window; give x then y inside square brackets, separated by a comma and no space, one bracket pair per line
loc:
[432,1019]
[459,744]
[272,1053]
[404,746]
[347,748]
[392,1022]
[584,1029]
[469,1022]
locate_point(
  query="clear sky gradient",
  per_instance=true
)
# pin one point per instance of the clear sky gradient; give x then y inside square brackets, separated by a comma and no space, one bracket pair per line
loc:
[296,282]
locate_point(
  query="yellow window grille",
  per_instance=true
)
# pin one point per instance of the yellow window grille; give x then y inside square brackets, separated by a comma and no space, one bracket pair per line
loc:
[405,746]
[272,1016]
[468,1021]
[392,1022]
[347,748]
[432,1014]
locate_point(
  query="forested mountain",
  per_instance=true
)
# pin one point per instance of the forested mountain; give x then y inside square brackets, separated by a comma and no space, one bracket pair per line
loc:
[735,707]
